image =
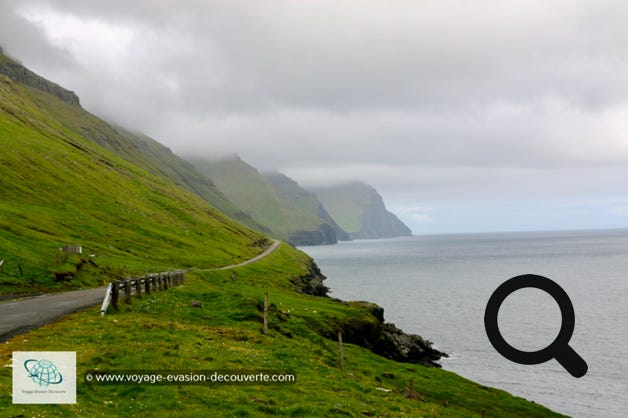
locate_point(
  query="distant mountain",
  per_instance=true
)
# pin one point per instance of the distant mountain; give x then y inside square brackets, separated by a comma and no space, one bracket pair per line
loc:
[360,211]
[290,212]
[291,194]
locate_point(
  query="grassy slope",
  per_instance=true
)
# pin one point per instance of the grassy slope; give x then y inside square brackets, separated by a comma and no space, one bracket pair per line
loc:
[162,331]
[251,192]
[185,174]
[57,188]
[142,151]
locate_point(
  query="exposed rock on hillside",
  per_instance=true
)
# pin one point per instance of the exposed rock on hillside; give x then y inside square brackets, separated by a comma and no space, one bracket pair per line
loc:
[21,74]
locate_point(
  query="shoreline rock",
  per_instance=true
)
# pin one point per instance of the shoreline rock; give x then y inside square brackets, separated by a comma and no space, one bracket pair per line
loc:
[372,331]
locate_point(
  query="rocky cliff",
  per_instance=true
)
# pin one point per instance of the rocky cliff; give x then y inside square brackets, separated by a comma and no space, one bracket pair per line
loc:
[18,73]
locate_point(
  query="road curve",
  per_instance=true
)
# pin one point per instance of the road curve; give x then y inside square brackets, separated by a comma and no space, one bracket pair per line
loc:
[20,316]
[268,251]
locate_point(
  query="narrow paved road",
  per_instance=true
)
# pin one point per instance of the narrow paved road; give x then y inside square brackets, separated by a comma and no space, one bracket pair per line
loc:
[23,315]
[20,316]
[266,253]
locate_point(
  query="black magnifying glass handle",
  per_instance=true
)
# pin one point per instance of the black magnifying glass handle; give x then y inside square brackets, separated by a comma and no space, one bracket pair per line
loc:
[571,361]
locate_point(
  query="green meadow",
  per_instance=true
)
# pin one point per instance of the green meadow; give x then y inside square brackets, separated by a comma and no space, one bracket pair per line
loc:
[163,331]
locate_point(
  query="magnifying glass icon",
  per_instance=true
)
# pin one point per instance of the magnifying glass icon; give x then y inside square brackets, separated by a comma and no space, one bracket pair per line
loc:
[559,348]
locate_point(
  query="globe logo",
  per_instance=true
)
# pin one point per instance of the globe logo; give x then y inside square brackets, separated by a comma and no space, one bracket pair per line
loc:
[43,372]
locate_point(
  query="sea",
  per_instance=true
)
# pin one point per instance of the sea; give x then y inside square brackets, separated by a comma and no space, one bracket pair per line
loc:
[437,286]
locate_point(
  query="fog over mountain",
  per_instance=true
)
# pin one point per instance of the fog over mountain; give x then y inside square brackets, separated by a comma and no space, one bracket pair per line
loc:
[465,116]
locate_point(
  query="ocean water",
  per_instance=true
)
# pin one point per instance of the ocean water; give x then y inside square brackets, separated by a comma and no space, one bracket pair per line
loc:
[438,286]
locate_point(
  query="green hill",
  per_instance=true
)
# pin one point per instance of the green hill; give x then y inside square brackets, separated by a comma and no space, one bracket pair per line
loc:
[360,210]
[275,201]
[137,148]
[59,187]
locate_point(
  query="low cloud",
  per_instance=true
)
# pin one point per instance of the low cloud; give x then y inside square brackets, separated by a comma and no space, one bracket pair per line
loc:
[431,102]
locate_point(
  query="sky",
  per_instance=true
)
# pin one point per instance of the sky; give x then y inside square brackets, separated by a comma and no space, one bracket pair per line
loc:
[467,116]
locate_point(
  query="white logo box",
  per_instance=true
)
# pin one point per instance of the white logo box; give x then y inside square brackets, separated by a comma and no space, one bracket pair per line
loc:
[44,377]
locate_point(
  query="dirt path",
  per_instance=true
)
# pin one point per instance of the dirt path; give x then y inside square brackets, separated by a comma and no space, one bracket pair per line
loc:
[20,316]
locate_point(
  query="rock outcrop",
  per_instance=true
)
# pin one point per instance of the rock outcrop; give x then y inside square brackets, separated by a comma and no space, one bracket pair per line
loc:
[312,282]
[368,329]
[387,340]
[21,74]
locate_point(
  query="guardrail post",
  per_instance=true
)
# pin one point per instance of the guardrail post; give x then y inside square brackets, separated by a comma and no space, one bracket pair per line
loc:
[127,291]
[115,292]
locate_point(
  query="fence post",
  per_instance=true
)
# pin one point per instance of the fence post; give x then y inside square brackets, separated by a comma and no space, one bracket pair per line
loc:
[265,312]
[127,291]
[138,287]
[115,292]
[341,352]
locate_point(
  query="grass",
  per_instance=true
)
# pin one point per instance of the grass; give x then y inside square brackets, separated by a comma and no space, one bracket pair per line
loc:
[161,331]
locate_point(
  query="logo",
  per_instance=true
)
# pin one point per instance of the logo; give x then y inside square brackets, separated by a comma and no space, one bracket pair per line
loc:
[43,372]
[44,377]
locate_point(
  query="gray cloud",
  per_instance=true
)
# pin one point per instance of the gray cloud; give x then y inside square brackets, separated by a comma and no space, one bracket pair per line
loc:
[430,101]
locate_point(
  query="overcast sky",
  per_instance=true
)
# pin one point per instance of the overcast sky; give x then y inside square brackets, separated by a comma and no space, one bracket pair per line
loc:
[466,115]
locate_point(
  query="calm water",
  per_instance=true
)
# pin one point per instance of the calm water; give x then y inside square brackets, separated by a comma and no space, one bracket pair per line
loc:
[438,286]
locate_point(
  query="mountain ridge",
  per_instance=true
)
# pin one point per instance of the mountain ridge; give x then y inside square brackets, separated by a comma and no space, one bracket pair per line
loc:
[275,201]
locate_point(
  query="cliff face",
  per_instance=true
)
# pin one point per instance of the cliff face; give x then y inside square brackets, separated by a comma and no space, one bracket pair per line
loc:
[21,74]
[360,211]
